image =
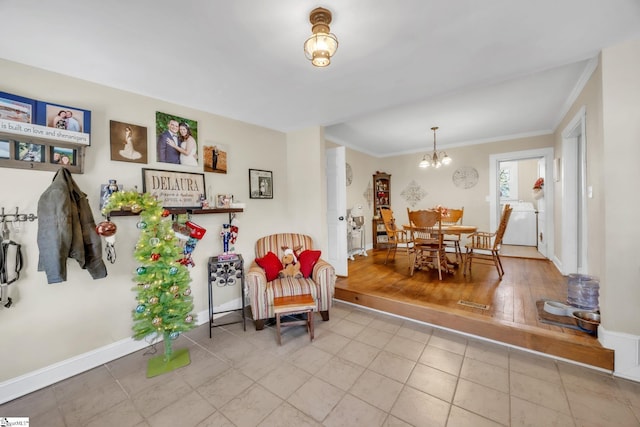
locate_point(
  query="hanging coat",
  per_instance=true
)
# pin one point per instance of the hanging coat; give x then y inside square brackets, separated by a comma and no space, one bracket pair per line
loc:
[66,229]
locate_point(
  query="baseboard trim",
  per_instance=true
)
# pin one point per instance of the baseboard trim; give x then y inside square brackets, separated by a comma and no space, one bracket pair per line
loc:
[627,352]
[40,378]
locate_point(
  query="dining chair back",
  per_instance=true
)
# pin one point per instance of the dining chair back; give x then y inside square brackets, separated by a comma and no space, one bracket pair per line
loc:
[396,237]
[426,233]
[453,217]
[484,246]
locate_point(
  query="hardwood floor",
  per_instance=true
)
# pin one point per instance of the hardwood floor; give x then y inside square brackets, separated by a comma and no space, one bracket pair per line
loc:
[458,302]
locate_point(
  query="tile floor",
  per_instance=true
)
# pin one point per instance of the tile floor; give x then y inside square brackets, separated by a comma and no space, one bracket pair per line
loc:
[363,369]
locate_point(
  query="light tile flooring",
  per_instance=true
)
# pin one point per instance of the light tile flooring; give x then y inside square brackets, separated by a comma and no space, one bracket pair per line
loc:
[363,369]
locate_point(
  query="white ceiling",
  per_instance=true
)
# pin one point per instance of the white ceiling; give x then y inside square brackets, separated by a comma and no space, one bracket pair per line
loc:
[480,70]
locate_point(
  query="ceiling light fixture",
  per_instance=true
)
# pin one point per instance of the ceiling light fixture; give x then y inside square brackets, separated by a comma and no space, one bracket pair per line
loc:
[435,159]
[320,47]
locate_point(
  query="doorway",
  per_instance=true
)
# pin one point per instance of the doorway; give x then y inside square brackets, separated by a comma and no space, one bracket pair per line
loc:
[544,220]
[574,196]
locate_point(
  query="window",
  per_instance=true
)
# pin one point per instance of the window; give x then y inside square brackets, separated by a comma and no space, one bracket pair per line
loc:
[508,181]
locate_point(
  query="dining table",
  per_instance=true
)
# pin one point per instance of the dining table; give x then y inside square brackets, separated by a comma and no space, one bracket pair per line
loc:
[456,229]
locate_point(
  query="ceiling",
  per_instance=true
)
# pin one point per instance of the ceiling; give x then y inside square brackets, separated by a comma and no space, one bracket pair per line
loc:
[481,71]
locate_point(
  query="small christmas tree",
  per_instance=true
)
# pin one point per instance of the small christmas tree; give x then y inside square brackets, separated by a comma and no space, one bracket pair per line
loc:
[163,295]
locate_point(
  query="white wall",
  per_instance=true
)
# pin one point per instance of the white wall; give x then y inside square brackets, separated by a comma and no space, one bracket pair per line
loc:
[52,323]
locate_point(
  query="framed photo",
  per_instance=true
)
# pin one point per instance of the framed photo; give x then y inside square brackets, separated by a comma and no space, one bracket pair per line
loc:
[215,158]
[5,149]
[128,142]
[63,117]
[104,193]
[224,200]
[30,152]
[16,108]
[176,140]
[174,189]
[63,156]
[260,184]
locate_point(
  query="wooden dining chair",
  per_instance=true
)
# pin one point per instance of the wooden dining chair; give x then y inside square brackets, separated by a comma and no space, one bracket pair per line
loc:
[485,247]
[396,237]
[426,233]
[453,217]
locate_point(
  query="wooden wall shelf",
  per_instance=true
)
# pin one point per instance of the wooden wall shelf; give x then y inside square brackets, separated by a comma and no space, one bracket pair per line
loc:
[178,211]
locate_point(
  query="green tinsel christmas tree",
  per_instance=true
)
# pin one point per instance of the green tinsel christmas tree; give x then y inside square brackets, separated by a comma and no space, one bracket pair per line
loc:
[163,295]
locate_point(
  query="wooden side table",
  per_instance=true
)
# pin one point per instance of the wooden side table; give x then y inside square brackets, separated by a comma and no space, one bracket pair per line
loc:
[294,305]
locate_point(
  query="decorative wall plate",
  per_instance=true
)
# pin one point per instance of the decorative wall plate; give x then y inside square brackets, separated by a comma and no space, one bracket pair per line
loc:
[349,172]
[465,177]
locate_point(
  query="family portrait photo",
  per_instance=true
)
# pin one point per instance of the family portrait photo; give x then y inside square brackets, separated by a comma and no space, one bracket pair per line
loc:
[176,140]
[215,158]
[128,142]
[63,117]
[63,156]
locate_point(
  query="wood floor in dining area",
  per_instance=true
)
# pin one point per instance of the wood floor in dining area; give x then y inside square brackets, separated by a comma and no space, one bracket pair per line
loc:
[479,304]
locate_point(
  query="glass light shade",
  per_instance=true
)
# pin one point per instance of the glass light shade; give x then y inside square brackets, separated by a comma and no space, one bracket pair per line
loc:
[424,163]
[320,47]
[446,159]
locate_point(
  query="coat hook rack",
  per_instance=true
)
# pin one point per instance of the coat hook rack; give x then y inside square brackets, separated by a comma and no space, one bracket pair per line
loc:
[17,217]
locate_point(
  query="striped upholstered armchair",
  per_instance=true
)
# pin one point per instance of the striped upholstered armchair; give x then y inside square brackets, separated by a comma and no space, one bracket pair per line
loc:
[320,284]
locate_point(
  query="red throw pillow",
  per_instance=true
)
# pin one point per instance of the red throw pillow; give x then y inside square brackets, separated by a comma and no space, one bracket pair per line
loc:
[307,260]
[270,264]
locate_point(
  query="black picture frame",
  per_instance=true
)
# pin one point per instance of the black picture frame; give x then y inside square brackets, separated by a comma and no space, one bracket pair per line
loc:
[260,184]
[174,189]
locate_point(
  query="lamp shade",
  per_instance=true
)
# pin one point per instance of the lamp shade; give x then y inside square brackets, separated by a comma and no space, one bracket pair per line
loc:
[322,45]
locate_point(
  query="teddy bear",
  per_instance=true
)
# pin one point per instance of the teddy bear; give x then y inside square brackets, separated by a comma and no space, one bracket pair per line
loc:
[291,266]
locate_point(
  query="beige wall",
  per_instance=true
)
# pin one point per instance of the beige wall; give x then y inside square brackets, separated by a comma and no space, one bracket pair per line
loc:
[619,195]
[51,323]
[438,183]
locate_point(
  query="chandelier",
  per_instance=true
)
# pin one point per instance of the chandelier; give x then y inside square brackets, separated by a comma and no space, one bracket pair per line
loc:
[322,45]
[435,159]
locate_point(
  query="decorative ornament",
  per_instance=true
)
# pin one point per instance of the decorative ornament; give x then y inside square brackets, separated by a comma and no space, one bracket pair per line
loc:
[413,193]
[174,289]
[146,286]
[156,321]
[165,213]
[173,271]
[153,300]
[106,228]
[465,177]
[155,256]
[187,292]
[141,225]
[141,270]
[140,308]
[136,208]
[154,241]
[174,335]
[349,174]
[188,319]
[176,296]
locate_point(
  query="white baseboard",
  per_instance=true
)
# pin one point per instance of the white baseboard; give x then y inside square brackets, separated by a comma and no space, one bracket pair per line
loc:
[627,352]
[40,378]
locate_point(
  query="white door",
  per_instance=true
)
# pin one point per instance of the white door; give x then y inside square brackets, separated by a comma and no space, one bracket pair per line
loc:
[337,210]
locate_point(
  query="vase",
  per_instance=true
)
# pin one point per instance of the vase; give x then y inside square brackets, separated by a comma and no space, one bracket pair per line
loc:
[538,193]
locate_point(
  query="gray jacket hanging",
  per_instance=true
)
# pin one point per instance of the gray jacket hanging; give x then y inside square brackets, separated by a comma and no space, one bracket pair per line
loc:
[66,229]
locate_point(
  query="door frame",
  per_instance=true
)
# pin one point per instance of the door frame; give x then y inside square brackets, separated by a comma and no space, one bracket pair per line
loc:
[494,191]
[574,232]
